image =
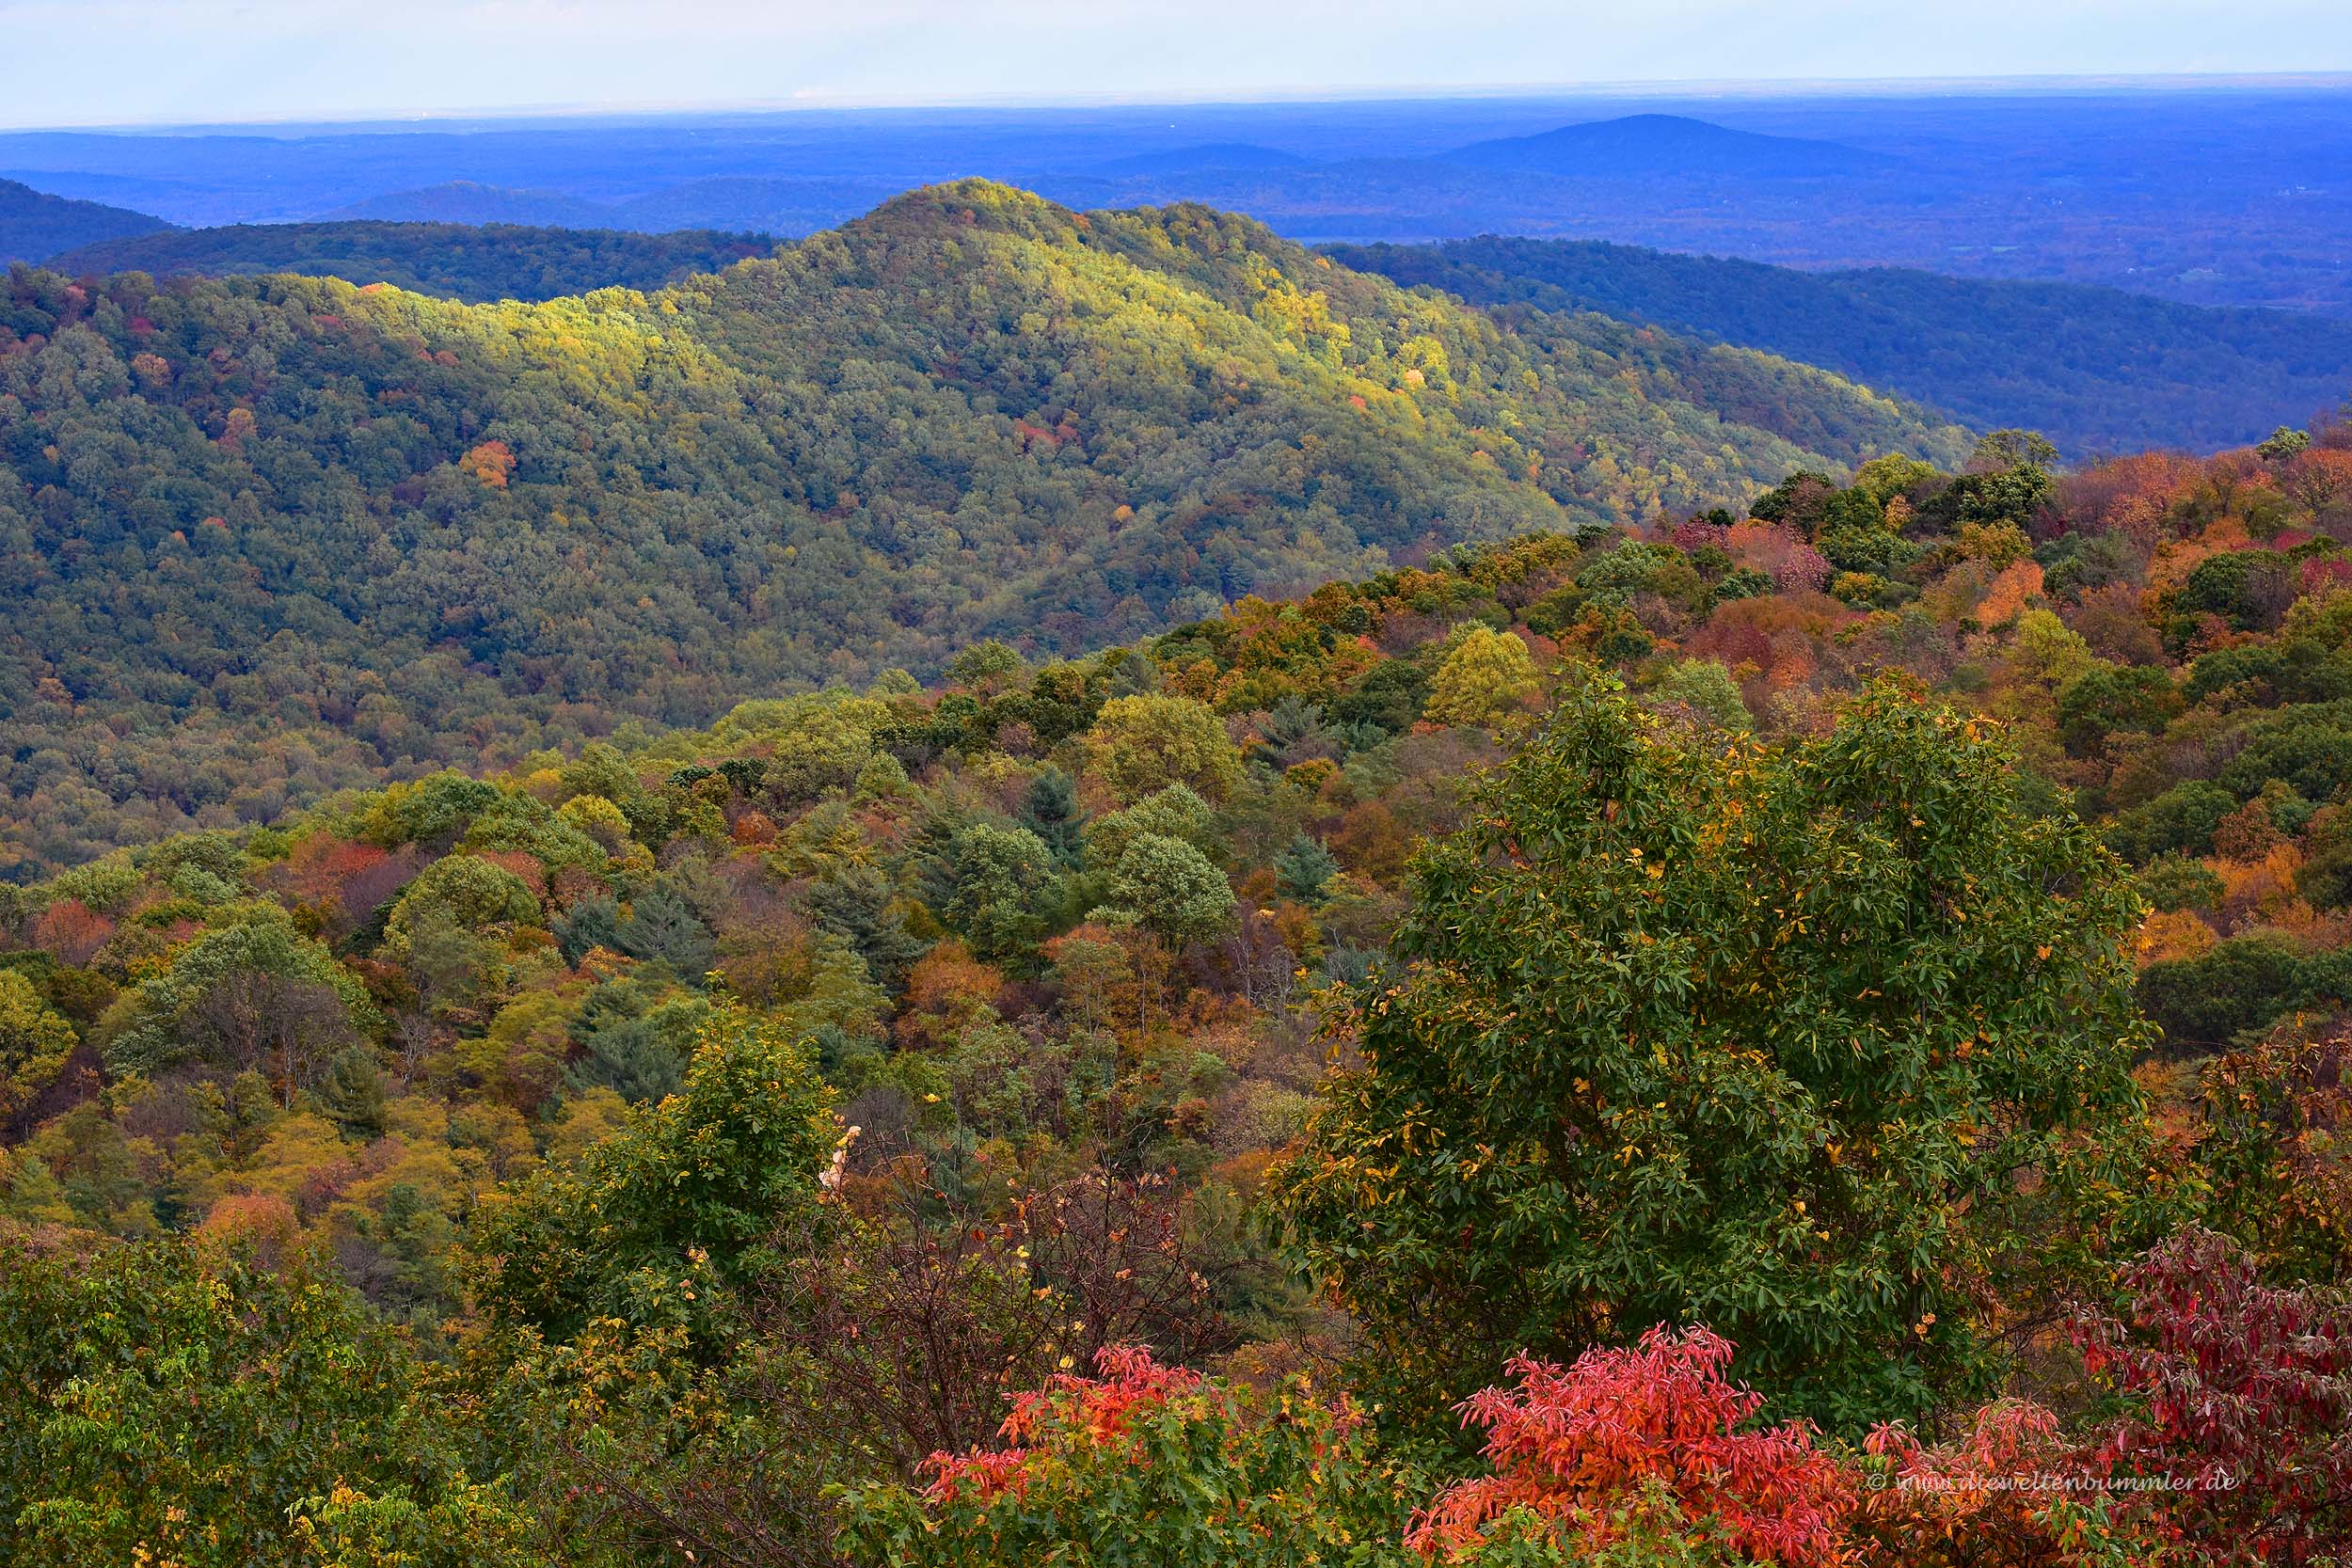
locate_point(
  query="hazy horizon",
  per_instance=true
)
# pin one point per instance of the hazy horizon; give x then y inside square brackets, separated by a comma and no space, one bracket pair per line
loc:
[1681,93]
[213,63]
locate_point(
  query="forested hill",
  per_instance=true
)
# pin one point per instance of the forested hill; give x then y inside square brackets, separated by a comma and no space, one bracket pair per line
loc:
[698,1148]
[2096,369]
[34,223]
[455,260]
[263,537]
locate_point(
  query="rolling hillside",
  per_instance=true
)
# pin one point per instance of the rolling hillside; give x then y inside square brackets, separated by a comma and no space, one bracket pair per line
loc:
[285,533]
[2094,368]
[33,224]
[455,260]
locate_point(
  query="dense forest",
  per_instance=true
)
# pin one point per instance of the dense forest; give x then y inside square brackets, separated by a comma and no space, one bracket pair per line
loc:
[33,224]
[1757,1036]
[267,537]
[2096,370]
[491,262]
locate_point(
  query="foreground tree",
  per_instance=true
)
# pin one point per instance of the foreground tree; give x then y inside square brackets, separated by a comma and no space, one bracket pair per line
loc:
[1626,1440]
[658,1223]
[171,1403]
[1806,1044]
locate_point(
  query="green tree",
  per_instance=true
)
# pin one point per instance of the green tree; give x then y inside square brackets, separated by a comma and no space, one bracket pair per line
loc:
[1761,1039]
[858,904]
[254,995]
[1052,812]
[34,1195]
[1148,742]
[1005,886]
[1303,869]
[1705,687]
[2012,449]
[2241,985]
[658,1222]
[464,890]
[1175,812]
[662,926]
[34,1044]
[2108,698]
[1171,890]
[2282,443]
[1488,674]
[167,1404]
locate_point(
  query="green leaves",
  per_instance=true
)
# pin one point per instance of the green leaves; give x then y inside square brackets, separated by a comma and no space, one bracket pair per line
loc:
[664,1218]
[1700,1031]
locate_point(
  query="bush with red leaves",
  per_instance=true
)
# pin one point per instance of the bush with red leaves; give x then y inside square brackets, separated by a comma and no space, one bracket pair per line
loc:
[1577,1449]
[2012,1491]
[2241,1397]
[1147,1464]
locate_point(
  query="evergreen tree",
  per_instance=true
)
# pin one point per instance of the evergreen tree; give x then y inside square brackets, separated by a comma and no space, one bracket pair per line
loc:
[1052,812]
[1304,869]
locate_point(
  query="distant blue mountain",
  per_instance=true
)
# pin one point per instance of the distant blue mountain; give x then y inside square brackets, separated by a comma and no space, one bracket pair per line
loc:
[33,224]
[1650,145]
[779,204]
[1209,156]
[2093,369]
[465,201]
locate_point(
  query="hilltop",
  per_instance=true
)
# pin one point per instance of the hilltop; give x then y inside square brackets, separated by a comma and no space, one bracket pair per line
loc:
[1637,145]
[276,535]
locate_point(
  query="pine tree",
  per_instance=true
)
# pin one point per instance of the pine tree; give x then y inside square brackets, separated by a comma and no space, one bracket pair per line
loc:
[1304,869]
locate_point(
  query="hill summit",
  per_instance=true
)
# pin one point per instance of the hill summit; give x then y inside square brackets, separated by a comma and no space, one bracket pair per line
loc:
[1667,143]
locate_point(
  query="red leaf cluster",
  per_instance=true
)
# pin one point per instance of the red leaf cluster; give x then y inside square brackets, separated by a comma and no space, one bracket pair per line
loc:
[1572,1446]
[1101,1409]
[2245,1397]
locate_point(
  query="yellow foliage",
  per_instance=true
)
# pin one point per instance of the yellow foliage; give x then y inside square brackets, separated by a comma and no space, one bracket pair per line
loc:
[2173,934]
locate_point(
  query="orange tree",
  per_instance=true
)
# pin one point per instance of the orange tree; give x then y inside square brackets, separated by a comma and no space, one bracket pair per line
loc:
[1823,1046]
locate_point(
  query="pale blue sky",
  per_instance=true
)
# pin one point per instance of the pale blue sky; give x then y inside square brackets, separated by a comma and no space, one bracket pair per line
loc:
[83,62]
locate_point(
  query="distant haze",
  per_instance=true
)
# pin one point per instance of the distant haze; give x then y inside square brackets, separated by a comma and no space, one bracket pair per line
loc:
[101,62]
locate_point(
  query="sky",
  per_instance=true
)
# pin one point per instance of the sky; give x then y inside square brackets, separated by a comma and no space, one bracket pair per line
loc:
[107,62]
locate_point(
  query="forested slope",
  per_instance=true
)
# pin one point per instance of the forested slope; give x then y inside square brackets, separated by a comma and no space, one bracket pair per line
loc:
[34,223]
[744,1142]
[265,536]
[2096,369]
[455,260]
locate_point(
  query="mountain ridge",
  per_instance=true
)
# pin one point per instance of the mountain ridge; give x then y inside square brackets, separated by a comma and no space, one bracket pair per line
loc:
[1632,145]
[240,513]
[2096,369]
[34,223]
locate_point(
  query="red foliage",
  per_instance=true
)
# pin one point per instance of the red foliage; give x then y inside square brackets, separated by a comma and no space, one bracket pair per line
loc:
[1574,1446]
[1986,1500]
[2245,1399]
[71,931]
[345,880]
[1102,1409]
[1781,553]
[2321,575]
[1692,533]
[2135,494]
